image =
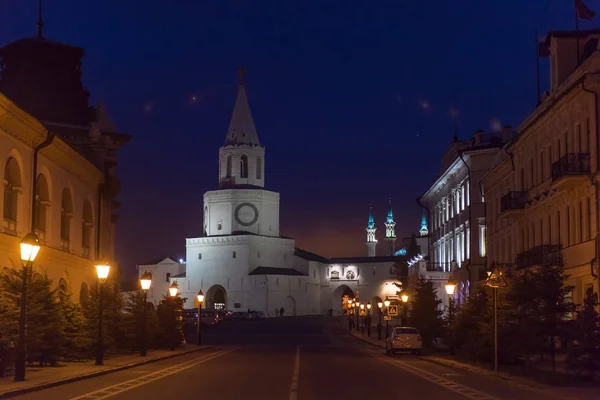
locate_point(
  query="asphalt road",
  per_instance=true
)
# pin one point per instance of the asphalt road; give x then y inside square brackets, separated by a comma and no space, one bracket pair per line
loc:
[309,358]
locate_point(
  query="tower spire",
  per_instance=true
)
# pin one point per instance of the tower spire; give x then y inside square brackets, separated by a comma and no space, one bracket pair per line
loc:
[424,230]
[241,75]
[371,240]
[241,128]
[390,231]
[40,22]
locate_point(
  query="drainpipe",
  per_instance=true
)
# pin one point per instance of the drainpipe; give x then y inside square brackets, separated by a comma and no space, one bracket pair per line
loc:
[47,142]
[471,217]
[596,183]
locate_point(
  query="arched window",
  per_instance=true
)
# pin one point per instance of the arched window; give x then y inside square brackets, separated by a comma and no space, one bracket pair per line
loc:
[12,187]
[86,229]
[228,166]
[66,213]
[84,294]
[42,201]
[258,168]
[244,166]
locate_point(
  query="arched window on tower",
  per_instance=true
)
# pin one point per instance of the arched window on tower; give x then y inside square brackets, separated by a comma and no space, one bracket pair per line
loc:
[258,168]
[228,166]
[244,166]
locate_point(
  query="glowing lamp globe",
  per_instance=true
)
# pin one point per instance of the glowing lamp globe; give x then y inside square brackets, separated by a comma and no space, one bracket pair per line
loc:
[30,247]
[146,280]
[200,297]
[362,306]
[386,303]
[173,289]
[102,270]
[450,286]
[369,306]
[380,304]
[404,298]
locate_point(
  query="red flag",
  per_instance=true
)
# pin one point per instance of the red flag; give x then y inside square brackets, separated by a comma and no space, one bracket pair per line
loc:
[583,11]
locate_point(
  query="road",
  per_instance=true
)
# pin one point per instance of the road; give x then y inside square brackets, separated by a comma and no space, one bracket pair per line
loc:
[308,358]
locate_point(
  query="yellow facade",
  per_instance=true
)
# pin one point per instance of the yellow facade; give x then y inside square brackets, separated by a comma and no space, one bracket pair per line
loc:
[67,199]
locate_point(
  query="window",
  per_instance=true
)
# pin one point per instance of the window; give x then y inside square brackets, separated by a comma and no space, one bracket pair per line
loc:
[314,274]
[234,254]
[167,277]
[12,185]
[468,243]
[258,168]
[244,166]
[482,231]
[42,201]
[65,219]
[199,256]
[229,167]
[568,226]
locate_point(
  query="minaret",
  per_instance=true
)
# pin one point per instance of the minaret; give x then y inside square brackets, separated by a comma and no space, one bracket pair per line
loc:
[424,231]
[390,232]
[371,240]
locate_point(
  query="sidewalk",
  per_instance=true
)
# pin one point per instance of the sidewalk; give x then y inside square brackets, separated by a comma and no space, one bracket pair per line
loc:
[578,392]
[38,378]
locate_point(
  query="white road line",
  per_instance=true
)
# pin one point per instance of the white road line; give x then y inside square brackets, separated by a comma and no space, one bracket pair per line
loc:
[133,383]
[433,378]
[295,376]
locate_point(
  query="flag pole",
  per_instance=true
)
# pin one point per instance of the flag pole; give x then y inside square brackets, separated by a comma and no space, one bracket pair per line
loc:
[537,66]
[576,28]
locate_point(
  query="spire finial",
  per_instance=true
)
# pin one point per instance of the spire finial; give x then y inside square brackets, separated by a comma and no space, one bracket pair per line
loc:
[241,75]
[40,22]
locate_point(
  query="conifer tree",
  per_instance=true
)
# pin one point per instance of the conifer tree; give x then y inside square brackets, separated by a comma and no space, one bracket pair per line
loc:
[426,315]
[75,341]
[9,315]
[134,320]
[170,317]
[584,356]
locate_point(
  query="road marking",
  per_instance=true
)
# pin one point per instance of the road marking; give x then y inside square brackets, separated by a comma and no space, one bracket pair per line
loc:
[133,383]
[295,376]
[433,378]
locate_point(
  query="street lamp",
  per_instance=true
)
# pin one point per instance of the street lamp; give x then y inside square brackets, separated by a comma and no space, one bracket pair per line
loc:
[102,271]
[404,298]
[450,286]
[30,247]
[200,297]
[369,319]
[386,303]
[495,280]
[349,312]
[173,289]
[145,283]
[380,306]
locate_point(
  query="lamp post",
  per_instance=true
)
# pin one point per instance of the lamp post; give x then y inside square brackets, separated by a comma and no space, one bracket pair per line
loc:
[362,325]
[349,306]
[30,247]
[379,306]
[200,297]
[173,289]
[356,306]
[145,283]
[450,286]
[495,280]
[102,271]
[369,319]
[386,303]
[404,298]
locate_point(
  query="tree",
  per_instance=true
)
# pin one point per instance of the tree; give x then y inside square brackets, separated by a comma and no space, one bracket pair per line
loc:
[584,356]
[75,342]
[426,315]
[134,320]
[170,317]
[9,313]
[112,316]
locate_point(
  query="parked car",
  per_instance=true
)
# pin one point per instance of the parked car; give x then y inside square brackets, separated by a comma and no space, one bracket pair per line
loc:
[209,318]
[404,338]
[259,315]
[239,315]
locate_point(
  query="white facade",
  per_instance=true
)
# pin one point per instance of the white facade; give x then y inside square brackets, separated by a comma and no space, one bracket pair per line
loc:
[241,263]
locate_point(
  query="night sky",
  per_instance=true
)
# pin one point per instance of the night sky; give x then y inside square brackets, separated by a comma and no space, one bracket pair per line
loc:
[351,100]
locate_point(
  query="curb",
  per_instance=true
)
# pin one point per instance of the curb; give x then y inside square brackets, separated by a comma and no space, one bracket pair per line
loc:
[366,341]
[48,385]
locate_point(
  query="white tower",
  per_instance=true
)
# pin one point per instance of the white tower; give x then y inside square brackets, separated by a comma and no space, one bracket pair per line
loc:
[390,232]
[371,240]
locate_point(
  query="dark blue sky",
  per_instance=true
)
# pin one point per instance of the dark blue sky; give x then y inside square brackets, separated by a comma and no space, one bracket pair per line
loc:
[336,90]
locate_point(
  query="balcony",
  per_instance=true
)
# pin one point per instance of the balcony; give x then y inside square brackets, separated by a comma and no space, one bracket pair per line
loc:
[545,255]
[512,204]
[570,170]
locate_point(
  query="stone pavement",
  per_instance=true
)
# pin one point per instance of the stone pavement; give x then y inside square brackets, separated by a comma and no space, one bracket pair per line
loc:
[578,392]
[38,378]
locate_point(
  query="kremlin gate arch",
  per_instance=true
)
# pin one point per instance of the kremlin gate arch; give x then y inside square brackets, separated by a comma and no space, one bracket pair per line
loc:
[216,297]
[341,295]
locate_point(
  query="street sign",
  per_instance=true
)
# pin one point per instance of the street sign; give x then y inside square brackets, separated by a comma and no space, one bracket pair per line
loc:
[393,309]
[387,318]
[363,312]
[496,279]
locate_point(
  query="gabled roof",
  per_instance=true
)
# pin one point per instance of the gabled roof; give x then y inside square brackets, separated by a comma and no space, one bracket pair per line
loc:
[241,128]
[307,255]
[275,271]
[159,260]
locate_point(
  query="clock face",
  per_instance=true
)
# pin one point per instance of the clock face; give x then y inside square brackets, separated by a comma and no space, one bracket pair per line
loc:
[246,214]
